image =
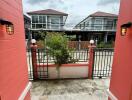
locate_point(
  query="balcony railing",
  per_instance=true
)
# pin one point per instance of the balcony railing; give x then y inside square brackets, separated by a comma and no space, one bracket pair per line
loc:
[97,27]
[47,26]
[62,26]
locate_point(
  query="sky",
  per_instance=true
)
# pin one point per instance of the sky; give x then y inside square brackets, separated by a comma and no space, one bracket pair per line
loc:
[77,10]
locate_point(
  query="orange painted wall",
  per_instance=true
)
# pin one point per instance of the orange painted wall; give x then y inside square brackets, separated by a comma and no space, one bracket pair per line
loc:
[13,65]
[121,82]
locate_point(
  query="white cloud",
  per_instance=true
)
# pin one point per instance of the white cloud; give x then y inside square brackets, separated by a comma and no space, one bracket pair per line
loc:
[107,2]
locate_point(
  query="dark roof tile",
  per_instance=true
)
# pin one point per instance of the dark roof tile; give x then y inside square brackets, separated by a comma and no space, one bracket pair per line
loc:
[103,14]
[48,12]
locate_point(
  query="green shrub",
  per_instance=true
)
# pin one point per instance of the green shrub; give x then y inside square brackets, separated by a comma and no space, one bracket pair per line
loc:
[57,45]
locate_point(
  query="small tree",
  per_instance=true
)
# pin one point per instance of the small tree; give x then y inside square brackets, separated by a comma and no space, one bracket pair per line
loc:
[57,44]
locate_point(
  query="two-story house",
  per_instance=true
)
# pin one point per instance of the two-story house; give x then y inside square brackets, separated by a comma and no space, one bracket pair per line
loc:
[100,25]
[48,19]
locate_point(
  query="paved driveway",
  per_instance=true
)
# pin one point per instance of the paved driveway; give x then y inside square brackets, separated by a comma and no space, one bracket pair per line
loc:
[81,89]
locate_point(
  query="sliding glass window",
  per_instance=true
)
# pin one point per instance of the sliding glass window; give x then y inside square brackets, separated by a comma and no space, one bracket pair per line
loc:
[55,23]
[38,22]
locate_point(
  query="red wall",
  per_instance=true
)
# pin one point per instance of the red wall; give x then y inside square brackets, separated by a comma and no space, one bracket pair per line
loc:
[13,66]
[121,82]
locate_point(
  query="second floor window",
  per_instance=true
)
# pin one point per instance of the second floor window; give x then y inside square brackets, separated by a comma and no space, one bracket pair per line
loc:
[55,23]
[34,19]
[98,21]
[109,24]
[38,21]
[97,24]
[46,22]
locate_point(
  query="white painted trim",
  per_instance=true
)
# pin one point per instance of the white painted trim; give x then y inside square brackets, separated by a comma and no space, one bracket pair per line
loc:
[25,91]
[111,95]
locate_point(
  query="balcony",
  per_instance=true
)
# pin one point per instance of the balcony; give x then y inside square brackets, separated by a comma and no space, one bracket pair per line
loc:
[47,26]
[62,27]
[97,27]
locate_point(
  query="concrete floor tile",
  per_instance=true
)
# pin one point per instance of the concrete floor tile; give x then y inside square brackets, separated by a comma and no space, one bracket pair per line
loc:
[81,89]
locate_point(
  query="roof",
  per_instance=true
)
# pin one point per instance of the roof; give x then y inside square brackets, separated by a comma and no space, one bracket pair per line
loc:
[100,14]
[103,14]
[47,12]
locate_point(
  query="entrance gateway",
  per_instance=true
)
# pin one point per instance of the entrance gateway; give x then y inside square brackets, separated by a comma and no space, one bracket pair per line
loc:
[40,60]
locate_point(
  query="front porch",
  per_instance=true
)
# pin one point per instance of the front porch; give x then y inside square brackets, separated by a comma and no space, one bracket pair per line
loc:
[77,89]
[72,80]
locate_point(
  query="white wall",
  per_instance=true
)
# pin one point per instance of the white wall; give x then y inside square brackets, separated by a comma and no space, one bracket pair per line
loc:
[67,72]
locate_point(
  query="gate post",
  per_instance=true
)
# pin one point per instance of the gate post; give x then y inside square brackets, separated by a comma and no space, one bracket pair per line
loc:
[91,60]
[34,60]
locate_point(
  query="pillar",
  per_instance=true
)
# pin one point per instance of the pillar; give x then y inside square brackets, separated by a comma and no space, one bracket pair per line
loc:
[34,60]
[91,60]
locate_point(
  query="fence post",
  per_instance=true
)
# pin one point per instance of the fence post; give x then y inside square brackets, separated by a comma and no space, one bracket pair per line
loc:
[91,60]
[34,60]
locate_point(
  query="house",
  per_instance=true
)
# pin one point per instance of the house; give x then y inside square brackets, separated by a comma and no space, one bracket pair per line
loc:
[48,19]
[99,25]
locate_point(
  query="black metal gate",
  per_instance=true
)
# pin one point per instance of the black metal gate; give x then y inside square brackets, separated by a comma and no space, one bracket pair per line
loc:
[42,63]
[102,66]
[39,60]
[37,63]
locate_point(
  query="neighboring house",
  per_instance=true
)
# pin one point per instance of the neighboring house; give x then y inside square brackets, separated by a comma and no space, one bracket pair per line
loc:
[100,24]
[27,24]
[47,19]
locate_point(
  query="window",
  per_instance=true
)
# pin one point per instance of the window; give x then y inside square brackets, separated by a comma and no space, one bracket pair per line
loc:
[33,25]
[98,21]
[109,24]
[34,19]
[87,25]
[55,20]
[39,25]
[55,23]
[84,25]
[44,25]
[97,24]
[38,21]
[80,26]
[44,19]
